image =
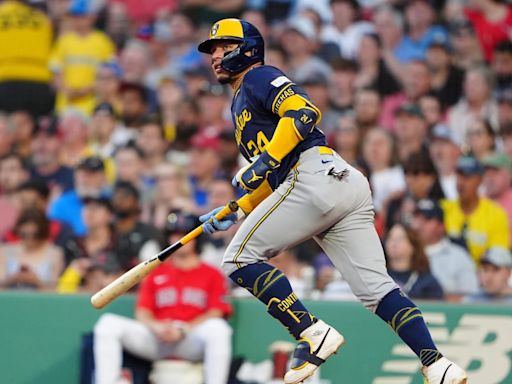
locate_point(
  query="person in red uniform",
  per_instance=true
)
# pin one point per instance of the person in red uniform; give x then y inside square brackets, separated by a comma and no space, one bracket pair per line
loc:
[180,313]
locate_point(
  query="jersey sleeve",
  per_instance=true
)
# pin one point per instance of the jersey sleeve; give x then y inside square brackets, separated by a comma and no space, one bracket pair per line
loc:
[269,87]
[146,297]
[217,298]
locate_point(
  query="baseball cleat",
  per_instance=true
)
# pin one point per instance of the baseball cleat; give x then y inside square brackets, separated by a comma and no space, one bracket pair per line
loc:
[317,344]
[444,371]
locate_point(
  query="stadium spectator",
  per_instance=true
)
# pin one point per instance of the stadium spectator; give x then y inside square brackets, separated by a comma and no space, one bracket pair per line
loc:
[169,97]
[108,82]
[445,153]
[152,143]
[179,313]
[95,258]
[421,31]
[35,195]
[373,71]
[389,25]
[76,57]
[504,100]
[229,154]
[476,103]
[34,262]
[136,241]
[416,82]
[450,264]
[23,126]
[346,31]
[446,79]
[494,275]
[466,52]
[497,181]
[130,167]
[135,60]
[213,101]
[473,221]
[367,104]
[13,173]
[172,191]
[506,138]
[90,181]
[134,105]
[421,182]
[300,32]
[316,86]
[204,165]
[481,139]
[431,109]
[46,146]
[408,264]
[491,20]
[386,176]
[182,29]
[7,134]
[502,65]
[327,51]
[343,84]
[73,127]
[213,246]
[346,139]
[410,130]
[26,39]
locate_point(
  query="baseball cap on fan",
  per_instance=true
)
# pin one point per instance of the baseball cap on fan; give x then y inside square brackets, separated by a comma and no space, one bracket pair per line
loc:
[208,139]
[469,166]
[441,132]
[303,26]
[429,209]
[497,256]
[80,8]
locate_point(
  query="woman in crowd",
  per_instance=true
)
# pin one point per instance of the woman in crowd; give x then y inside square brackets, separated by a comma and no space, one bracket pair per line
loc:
[481,139]
[408,264]
[172,191]
[34,262]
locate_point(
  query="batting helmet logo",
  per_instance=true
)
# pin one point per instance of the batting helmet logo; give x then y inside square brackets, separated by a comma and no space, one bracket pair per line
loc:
[214,30]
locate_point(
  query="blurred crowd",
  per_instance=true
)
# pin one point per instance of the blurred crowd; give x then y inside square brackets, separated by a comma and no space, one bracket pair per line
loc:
[111,123]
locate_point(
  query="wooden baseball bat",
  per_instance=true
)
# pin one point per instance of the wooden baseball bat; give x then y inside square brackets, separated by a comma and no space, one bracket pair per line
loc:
[124,282]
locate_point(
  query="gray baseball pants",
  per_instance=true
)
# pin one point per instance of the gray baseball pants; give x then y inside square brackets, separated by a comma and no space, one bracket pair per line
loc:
[325,198]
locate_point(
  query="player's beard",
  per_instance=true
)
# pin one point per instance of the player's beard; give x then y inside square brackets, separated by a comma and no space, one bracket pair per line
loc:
[224,78]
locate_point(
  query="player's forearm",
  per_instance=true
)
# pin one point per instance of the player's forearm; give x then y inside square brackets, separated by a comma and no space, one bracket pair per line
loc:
[251,200]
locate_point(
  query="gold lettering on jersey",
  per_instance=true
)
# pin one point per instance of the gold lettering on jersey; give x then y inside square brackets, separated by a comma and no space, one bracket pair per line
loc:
[285,93]
[288,302]
[241,120]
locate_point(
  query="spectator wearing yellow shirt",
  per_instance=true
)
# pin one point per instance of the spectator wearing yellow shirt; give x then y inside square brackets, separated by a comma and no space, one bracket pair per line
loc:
[475,221]
[25,41]
[76,57]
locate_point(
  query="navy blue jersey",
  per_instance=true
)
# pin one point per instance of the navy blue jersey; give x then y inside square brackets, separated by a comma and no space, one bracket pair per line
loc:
[254,111]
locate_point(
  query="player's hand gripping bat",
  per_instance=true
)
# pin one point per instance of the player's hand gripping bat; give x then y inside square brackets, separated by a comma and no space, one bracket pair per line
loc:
[124,282]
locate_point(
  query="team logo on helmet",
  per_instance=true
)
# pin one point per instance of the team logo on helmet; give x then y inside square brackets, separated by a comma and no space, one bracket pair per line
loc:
[215,28]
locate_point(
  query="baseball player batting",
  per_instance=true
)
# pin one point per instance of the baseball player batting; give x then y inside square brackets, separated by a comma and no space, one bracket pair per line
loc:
[312,193]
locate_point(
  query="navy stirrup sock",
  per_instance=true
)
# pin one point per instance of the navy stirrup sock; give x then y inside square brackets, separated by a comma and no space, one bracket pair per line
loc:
[406,319]
[270,286]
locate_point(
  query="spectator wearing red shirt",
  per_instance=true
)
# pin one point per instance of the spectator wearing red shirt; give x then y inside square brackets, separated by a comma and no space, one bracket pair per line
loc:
[179,313]
[492,22]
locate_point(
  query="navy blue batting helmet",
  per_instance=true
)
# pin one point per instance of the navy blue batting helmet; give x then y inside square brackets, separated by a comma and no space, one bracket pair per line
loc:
[239,31]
